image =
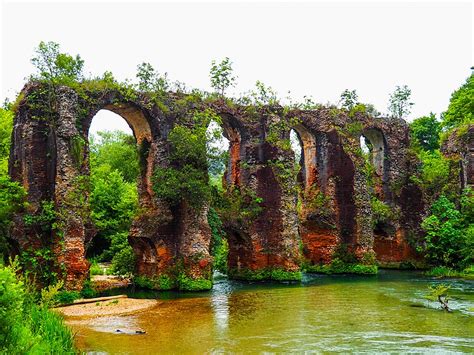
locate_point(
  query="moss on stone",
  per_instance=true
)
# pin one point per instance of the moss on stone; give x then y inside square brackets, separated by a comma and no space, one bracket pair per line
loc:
[270,273]
[162,282]
[341,268]
[186,283]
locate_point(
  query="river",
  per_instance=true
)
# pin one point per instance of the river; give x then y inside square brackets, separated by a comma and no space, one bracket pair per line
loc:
[383,313]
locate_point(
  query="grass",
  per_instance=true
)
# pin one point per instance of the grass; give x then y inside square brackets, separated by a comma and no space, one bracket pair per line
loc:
[26,326]
[270,273]
[342,268]
[446,272]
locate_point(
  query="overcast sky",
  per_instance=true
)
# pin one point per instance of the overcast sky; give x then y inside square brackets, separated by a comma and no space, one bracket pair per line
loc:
[310,48]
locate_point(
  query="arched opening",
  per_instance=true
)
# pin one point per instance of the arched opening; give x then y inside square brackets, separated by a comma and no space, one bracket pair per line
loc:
[119,142]
[303,144]
[315,208]
[219,164]
[373,146]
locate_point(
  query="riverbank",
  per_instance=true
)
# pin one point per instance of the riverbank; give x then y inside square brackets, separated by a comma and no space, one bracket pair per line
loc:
[122,306]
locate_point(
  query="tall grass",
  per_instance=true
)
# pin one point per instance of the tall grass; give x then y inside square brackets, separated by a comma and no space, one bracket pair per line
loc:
[26,326]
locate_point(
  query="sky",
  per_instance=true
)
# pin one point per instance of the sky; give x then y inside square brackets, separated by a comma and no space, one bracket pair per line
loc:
[309,48]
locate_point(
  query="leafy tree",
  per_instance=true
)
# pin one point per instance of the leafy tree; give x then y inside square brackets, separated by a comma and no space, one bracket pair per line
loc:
[425,132]
[461,106]
[399,103]
[348,99]
[118,150]
[449,240]
[221,75]
[186,180]
[6,127]
[434,173]
[150,80]
[263,95]
[54,66]
[12,194]
[113,200]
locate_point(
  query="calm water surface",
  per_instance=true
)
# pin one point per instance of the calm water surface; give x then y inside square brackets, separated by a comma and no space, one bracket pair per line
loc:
[384,313]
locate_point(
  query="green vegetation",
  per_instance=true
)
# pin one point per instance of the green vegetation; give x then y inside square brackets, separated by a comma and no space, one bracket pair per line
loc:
[440,293]
[114,198]
[26,323]
[221,75]
[449,239]
[399,103]
[425,132]
[344,261]
[460,111]
[219,244]
[270,273]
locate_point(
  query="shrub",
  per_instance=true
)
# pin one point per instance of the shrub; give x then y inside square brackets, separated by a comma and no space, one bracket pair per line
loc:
[219,245]
[26,327]
[449,239]
[123,262]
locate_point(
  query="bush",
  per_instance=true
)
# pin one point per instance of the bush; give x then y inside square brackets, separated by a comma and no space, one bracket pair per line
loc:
[219,244]
[26,327]
[123,262]
[449,239]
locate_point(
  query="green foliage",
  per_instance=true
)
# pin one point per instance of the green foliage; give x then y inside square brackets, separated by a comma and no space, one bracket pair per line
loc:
[449,239]
[67,297]
[349,99]
[354,128]
[114,201]
[41,264]
[238,205]
[425,132]
[162,283]
[12,199]
[434,174]
[399,104]
[49,295]
[339,267]
[123,261]
[344,261]
[439,293]
[56,67]
[263,95]
[186,283]
[219,245]
[95,268]
[269,273]
[221,76]
[117,150]
[151,81]
[26,327]
[447,272]
[461,106]
[6,126]
[381,212]
[77,144]
[186,179]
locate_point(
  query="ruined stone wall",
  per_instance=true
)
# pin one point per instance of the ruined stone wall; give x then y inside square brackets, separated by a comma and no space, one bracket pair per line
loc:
[269,234]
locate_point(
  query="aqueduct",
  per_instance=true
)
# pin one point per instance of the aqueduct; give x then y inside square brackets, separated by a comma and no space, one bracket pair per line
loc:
[50,157]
